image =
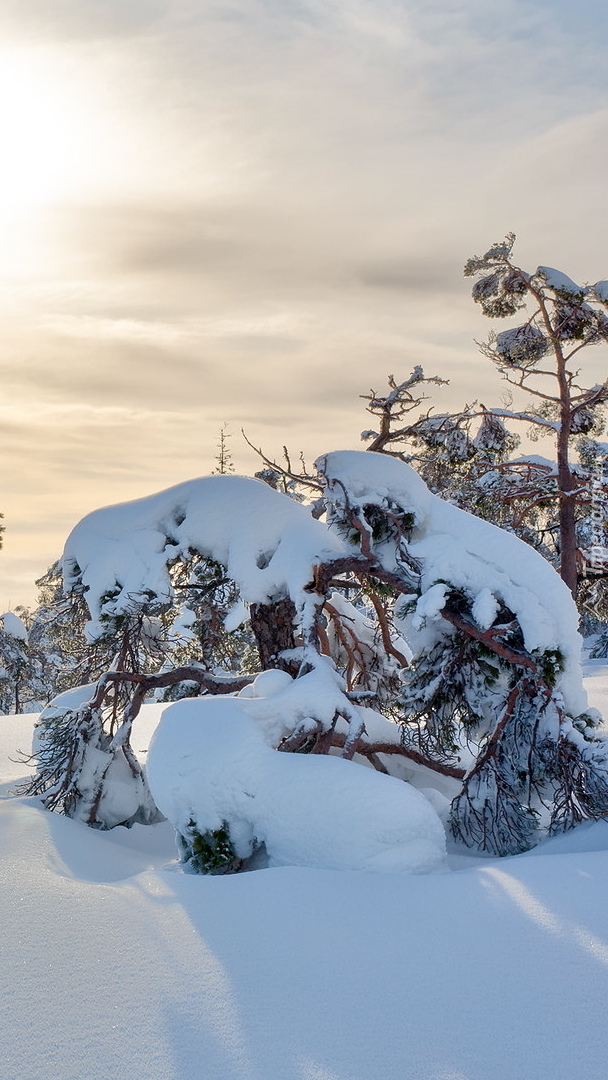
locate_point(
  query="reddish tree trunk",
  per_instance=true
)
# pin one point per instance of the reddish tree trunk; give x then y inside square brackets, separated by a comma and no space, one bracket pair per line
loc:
[273,629]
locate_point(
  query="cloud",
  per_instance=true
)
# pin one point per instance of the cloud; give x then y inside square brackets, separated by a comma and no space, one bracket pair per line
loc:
[63,20]
[268,210]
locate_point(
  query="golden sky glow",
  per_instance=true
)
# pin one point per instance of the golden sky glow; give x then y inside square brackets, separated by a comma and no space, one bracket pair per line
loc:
[252,211]
[42,130]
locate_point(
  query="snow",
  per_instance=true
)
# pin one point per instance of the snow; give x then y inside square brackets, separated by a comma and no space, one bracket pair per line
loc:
[472,555]
[485,608]
[535,459]
[365,477]
[521,344]
[267,542]
[600,290]
[267,683]
[559,282]
[209,763]
[115,964]
[238,614]
[430,604]
[14,626]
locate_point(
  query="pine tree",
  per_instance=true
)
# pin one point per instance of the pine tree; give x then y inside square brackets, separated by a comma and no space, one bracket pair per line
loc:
[22,665]
[536,356]
[224,456]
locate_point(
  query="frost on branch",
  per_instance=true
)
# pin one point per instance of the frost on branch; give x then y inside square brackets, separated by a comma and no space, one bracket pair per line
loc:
[392,411]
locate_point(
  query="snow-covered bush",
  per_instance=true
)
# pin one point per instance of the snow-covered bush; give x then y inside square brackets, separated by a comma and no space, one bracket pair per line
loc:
[228,794]
[81,770]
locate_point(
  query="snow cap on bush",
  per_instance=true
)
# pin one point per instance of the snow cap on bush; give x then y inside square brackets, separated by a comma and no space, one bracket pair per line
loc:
[209,769]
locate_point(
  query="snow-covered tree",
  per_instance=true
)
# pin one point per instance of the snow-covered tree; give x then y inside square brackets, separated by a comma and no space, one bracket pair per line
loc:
[536,356]
[467,458]
[57,630]
[22,666]
[393,410]
[494,668]
[459,658]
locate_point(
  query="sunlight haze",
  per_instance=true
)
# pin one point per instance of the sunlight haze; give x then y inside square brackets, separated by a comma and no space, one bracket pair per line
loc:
[251,212]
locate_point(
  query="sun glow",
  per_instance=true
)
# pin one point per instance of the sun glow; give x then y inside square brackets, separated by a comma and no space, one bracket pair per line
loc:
[43,131]
[57,137]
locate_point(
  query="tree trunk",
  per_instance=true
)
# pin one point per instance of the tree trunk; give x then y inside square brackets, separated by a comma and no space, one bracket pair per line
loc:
[273,628]
[567,537]
[566,482]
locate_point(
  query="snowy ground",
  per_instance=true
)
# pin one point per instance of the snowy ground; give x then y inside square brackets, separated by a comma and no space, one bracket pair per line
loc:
[115,964]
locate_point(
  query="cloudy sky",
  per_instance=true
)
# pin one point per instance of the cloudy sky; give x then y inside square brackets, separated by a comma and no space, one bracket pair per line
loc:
[252,211]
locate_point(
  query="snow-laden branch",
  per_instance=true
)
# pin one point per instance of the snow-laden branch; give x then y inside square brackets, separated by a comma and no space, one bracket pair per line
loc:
[529,418]
[121,556]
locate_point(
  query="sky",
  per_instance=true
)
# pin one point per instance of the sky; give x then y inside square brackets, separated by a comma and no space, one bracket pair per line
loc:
[251,212]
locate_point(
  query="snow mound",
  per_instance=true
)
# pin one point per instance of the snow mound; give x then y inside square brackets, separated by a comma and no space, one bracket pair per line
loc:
[208,763]
[266,683]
